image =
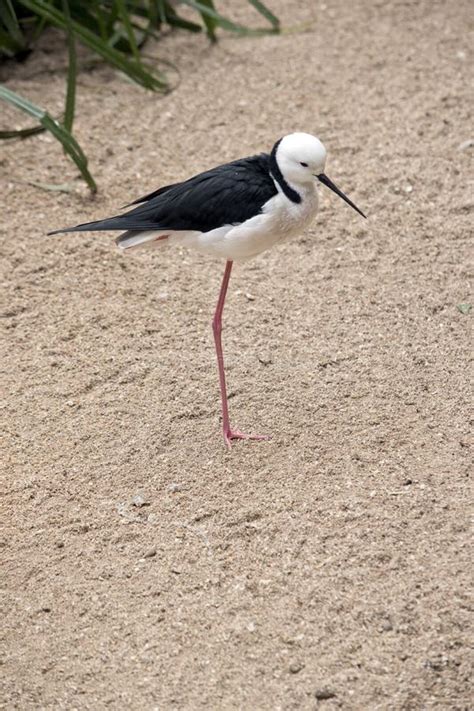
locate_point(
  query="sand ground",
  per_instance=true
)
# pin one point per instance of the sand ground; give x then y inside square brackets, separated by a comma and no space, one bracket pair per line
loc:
[145,567]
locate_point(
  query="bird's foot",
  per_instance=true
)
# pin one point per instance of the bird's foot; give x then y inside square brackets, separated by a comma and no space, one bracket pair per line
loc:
[229,435]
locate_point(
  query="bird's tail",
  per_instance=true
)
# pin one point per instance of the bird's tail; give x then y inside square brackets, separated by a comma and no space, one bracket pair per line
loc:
[112,223]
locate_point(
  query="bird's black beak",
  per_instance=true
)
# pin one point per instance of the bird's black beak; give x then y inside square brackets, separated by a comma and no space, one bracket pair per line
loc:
[325,181]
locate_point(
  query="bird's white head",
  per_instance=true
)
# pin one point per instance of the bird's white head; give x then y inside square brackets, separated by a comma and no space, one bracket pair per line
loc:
[300,158]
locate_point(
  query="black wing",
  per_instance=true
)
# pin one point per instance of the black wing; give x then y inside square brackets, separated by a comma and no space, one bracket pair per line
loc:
[149,196]
[229,194]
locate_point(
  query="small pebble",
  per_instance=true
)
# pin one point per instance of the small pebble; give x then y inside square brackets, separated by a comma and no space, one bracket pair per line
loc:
[324,693]
[139,501]
[150,554]
[466,144]
[296,667]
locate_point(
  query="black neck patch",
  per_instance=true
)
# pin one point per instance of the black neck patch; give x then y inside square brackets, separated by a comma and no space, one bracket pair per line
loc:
[278,176]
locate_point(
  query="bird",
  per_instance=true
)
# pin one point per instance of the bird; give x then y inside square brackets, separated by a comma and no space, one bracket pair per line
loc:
[234,211]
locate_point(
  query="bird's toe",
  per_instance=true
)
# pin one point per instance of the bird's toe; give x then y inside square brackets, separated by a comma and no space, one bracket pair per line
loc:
[237,434]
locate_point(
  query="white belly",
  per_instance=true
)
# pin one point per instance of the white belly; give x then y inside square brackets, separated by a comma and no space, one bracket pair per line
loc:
[280,219]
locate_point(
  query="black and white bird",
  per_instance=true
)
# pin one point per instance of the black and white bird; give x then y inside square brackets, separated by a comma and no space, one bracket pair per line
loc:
[233,211]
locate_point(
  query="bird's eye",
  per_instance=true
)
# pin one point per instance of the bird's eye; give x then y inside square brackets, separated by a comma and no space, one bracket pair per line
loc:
[305,165]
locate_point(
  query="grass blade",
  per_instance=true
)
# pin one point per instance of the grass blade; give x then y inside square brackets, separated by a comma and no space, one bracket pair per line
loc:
[21,133]
[209,21]
[71,72]
[266,13]
[100,17]
[125,17]
[206,11]
[67,140]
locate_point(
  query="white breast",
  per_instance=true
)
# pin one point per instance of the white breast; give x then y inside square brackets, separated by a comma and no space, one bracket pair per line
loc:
[289,218]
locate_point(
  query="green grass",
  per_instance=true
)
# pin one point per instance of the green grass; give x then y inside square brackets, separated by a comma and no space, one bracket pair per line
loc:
[114,30]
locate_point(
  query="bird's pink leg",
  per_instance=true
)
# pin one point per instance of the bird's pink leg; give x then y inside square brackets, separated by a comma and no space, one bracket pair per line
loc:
[229,434]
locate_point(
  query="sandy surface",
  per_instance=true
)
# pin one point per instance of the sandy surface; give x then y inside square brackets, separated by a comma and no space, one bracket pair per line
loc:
[145,566]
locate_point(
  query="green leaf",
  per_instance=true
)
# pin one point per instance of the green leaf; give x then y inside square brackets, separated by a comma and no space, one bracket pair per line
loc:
[161,11]
[267,14]
[124,16]
[72,71]
[67,140]
[206,11]
[209,21]
[174,20]
[21,133]
[465,308]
